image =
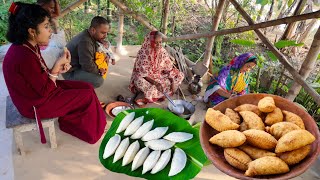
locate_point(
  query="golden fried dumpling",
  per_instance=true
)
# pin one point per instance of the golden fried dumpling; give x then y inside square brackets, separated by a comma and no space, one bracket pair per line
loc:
[252,120]
[237,158]
[234,116]
[291,117]
[248,107]
[260,139]
[230,138]
[243,127]
[274,117]
[295,156]
[267,165]
[281,128]
[266,104]
[219,121]
[294,140]
[256,153]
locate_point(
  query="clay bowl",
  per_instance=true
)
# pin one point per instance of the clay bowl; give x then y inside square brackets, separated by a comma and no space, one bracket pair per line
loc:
[117,106]
[215,153]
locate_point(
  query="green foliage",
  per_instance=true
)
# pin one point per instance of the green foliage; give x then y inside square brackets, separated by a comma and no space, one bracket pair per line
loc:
[243,42]
[290,2]
[287,43]
[272,56]
[196,158]
[262,2]
[4,22]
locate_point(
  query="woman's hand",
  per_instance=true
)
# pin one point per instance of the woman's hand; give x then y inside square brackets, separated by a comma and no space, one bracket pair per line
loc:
[56,12]
[62,65]
[159,86]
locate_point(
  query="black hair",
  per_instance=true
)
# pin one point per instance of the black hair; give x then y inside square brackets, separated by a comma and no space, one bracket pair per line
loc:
[41,2]
[25,16]
[97,21]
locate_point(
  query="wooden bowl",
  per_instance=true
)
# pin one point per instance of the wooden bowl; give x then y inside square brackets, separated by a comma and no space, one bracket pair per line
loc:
[215,153]
[116,104]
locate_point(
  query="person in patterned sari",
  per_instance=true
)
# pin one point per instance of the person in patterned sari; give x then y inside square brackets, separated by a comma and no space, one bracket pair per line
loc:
[232,80]
[153,71]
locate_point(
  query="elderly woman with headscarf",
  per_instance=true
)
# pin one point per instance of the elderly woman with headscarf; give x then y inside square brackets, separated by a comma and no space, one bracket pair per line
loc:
[153,71]
[232,80]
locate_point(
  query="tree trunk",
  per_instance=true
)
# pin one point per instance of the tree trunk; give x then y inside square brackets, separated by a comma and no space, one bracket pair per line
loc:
[215,24]
[136,16]
[165,16]
[306,33]
[292,27]
[279,55]
[307,66]
[260,13]
[247,28]
[71,7]
[120,31]
[269,15]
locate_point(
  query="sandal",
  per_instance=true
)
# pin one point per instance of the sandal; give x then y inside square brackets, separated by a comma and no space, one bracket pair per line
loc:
[103,105]
[121,98]
[141,103]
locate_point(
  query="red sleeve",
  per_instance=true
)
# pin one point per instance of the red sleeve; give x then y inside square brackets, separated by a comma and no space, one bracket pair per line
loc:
[38,79]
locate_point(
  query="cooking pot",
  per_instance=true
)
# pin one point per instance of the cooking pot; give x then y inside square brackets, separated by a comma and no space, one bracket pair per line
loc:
[189,108]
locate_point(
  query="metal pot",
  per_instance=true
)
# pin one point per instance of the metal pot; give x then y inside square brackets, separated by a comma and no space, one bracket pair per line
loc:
[188,106]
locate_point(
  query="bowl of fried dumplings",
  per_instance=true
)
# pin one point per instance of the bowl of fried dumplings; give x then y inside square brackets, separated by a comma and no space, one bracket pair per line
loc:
[260,136]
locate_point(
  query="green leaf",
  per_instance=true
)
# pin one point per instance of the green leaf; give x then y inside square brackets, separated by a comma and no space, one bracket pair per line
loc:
[290,2]
[318,58]
[196,158]
[286,43]
[262,2]
[272,56]
[243,42]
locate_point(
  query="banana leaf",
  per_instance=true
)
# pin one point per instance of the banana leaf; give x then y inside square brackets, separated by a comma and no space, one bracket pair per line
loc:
[196,158]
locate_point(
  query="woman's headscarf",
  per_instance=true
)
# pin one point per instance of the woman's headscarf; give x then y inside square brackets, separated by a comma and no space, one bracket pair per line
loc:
[231,69]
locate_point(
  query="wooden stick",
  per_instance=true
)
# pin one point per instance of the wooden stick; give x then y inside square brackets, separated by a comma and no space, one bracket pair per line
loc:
[215,23]
[136,16]
[276,22]
[296,76]
[71,7]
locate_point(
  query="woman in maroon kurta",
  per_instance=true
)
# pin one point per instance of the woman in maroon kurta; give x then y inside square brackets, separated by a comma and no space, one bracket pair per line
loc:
[34,88]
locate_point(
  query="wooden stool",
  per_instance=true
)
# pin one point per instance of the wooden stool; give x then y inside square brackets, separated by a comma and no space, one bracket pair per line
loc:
[22,124]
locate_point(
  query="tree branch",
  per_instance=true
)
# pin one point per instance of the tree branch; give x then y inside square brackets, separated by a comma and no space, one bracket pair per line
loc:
[286,20]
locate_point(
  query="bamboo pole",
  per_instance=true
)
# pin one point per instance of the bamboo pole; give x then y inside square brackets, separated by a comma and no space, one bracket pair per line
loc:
[136,16]
[306,66]
[165,17]
[120,31]
[215,24]
[279,55]
[286,20]
[71,7]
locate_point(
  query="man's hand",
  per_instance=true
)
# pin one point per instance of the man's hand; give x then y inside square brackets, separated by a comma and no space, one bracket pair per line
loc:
[102,71]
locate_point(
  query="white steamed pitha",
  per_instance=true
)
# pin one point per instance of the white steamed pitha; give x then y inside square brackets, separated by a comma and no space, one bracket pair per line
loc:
[140,158]
[134,126]
[162,162]
[111,146]
[130,153]
[144,129]
[125,122]
[178,137]
[121,150]
[179,161]
[151,161]
[155,133]
[159,144]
